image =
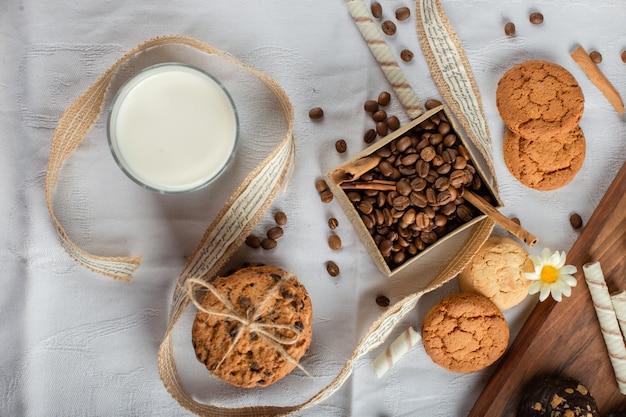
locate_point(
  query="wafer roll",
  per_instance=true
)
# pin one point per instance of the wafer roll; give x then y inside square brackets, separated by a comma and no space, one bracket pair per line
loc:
[385,58]
[619,305]
[608,321]
[395,351]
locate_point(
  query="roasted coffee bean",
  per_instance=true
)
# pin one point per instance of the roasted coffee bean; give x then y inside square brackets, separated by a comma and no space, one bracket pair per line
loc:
[431,196]
[384,98]
[409,159]
[449,155]
[509,29]
[409,217]
[432,176]
[418,184]
[253,241]
[457,178]
[365,207]
[422,168]
[418,199]
[371,106]
[275,233]
[370,136]
[443,128]
[464,213]
[406,55]
[595,56]
[444,169]
[334,242]
[427,124]
[429,237]
[399,257]
[440,220]
[368,221]
[385,247]
[431,103]
[428,153]
[576,221]
[435,139]
[316,113]
[354,196]
[459,163]
[403,186]
[332,268]
[381,128]
[623,56]
[462,150]
[386,169]
[377,10]
[448,209]
[536,18]
[341,146]
[268,243]
[384,152]
[280,218]
[403,13]
[444,197]
[389,28]
[516,220]
[321,186]
[326,196]
[403,143]
[379,115]
[333,223]
[422,220]
[442,183]
[393,123]
[382,301]
[401,203]
[449,140]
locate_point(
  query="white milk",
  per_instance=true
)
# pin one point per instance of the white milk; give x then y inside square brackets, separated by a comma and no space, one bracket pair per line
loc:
[172,128]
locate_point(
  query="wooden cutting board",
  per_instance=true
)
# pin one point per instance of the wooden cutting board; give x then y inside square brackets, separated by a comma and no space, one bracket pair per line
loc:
[565,338]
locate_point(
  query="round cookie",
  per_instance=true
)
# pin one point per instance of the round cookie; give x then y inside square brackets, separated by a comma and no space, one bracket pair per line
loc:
[539,100]
[263,295]
[465,332]
[497,272]
[557,397]
[545,165]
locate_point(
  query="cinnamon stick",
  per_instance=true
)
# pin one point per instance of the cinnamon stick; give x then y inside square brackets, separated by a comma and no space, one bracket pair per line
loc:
[512,227]
[581,57]
[377,185]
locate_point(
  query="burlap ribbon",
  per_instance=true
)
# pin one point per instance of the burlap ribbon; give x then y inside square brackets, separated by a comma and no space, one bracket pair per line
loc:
[237,219]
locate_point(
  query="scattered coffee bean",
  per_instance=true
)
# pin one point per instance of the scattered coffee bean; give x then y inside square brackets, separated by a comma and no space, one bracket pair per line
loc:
[334,242]
[595,56]
[321,186]
[377,10]
[280,218]
[332,268]
[379,116]
[536,18]
[406,55]
[370,136]
[509,29]
[403,13]
[268,243]
[382,129]
[253,241]
[389,28]
[623,56]
[393,123]
[341,146]
[382,301]
[370,106]
[576,221]
[431,103]
[326,196]
[516,220]
[275,233]
[384,98]
[333,223]
[316,113]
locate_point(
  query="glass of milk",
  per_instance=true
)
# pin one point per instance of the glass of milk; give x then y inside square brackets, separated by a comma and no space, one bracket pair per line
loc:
[172,128]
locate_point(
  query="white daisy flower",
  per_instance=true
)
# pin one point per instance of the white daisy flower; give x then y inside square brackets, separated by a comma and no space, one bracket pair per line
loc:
[551,275]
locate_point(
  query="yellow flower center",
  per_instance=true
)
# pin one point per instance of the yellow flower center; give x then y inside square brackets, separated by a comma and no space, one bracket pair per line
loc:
[549,274]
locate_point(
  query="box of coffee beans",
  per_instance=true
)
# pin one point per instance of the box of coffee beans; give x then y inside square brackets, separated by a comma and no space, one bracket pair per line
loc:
[404,193]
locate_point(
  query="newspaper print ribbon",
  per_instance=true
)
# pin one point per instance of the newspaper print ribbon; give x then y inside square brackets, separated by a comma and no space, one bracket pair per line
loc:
[453,74]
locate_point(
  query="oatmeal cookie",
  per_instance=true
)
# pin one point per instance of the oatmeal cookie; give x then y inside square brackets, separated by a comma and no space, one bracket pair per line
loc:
[539,100]
[465,332]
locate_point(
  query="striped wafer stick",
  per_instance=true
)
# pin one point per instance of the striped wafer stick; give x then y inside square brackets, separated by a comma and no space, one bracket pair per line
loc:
[395,351]
[385,58]
[608,321]
[619,305]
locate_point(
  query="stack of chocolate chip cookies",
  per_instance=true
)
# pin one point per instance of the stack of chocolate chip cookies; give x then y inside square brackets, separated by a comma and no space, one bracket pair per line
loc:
[541,104]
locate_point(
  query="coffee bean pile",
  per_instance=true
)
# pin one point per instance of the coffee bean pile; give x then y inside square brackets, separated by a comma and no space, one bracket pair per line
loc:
[270,241]
[415,195]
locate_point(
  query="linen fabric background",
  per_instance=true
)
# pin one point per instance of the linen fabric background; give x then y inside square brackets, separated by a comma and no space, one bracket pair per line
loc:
[75,343]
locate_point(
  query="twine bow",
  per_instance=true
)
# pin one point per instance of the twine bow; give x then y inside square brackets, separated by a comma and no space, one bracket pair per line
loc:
[249,321]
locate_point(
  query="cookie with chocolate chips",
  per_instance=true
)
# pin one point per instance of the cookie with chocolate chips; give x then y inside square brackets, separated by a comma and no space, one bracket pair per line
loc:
[551,396]
[257,329]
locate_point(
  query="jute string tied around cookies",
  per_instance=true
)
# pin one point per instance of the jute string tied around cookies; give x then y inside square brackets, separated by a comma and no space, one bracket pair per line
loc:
[249,321]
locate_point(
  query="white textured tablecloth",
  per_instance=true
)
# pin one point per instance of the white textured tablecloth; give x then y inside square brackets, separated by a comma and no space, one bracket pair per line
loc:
[79,344]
